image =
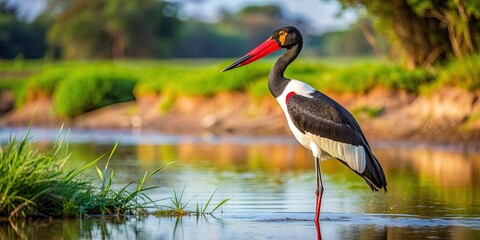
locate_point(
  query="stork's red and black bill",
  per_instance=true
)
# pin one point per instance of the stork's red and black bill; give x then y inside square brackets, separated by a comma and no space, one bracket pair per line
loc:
[262,50]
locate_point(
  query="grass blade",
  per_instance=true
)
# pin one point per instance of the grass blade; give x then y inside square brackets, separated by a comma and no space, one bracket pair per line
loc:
[208,202]
[220,204]
[115,147]
[99,172]
[158,169]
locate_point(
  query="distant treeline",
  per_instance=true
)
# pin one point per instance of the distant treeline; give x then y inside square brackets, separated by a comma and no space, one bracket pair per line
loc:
[113,29]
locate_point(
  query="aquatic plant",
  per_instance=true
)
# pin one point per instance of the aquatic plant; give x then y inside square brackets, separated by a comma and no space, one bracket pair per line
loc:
[179,207]
[204,209]
[122,201]
[36,183]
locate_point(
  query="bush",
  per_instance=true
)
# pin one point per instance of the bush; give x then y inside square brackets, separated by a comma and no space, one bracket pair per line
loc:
[351,77]
[204,81]
[259,88]
[47,80]
[91,88]
[365,76]
[463,72]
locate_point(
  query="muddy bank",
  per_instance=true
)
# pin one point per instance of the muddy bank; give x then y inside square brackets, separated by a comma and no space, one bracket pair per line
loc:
[450,115]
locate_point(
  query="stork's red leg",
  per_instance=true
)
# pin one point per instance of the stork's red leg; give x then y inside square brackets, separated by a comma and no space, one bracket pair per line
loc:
[318,204]
[319,191]
[317,227]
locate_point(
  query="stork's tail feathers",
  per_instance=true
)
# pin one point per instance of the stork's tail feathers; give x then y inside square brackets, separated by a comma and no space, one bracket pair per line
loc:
[373,173]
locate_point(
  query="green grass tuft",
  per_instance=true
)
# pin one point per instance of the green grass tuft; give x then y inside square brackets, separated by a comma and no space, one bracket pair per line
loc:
[179,207]
[36,184]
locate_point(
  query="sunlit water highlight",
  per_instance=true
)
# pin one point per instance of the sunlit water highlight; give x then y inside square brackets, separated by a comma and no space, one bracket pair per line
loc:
[433,192]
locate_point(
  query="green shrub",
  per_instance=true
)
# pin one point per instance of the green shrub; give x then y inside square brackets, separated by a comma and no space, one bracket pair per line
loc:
[259,88]
[47,80]
[19,94]
[368,111]
[17,86]
[463,72]
[355,77]
[91,88]
[200,81]
[149,85]
[10,84]
[362,77]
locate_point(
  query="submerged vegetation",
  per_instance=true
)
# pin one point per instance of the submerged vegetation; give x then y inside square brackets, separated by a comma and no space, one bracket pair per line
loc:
[36,183]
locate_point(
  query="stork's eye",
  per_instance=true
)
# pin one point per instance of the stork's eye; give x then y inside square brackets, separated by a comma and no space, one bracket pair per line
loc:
[282,35]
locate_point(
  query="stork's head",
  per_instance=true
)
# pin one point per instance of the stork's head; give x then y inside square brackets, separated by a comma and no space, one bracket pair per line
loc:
[284,37]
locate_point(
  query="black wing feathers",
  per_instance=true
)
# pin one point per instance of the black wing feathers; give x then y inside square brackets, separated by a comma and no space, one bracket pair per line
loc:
[323,119]
[322,116]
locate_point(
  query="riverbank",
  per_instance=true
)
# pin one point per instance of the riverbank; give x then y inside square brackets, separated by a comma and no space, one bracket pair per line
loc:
[448,115]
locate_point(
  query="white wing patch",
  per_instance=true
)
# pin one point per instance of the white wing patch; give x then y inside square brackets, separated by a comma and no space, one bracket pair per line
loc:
[297,87]
[353,155]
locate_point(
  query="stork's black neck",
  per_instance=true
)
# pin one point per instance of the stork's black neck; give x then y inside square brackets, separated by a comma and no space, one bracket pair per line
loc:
[276,81]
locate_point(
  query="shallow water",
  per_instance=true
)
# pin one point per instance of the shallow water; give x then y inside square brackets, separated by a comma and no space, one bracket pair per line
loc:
[433,191]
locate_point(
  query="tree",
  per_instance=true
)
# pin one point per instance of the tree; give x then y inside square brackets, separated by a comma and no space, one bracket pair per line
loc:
[236,33]
[112,28]
[426,31]
[260,21]
[210,40]
[348,42]
[18,37]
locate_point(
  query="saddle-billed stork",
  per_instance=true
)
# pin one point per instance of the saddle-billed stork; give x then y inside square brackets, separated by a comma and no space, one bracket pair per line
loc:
[318,122]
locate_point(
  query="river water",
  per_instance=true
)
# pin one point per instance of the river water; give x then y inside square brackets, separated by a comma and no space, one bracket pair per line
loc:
[433,190]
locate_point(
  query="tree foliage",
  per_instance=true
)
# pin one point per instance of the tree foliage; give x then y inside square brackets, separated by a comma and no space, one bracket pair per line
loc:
[260,21]
[113,28]
[234,34]
[349,42]
[427,30]
[19,38]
